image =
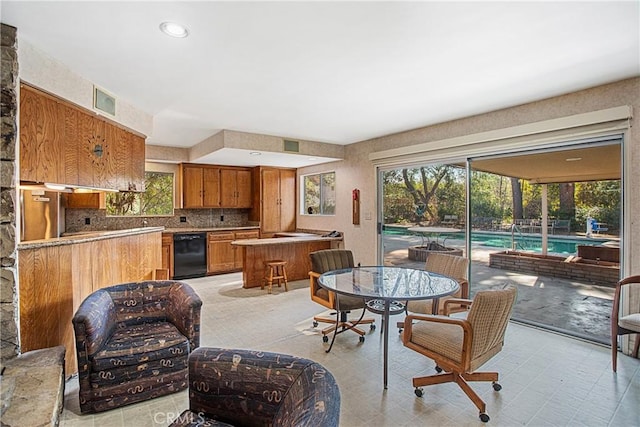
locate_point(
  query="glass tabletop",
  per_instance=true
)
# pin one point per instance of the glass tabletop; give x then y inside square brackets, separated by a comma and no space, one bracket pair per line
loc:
[388,283]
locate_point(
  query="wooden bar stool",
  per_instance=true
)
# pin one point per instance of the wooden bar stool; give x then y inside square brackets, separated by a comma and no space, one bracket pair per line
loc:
[275,270]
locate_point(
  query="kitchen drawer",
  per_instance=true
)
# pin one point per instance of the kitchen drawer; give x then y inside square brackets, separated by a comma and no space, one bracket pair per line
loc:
[247,235]
[220,236]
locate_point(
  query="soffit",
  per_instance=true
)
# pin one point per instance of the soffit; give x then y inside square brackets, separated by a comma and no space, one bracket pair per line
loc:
[599,163]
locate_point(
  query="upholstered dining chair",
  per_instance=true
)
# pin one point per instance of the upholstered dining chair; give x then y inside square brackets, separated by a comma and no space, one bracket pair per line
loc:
[321,262]
[133,341]
[626,324]
[461,346]
[454,266]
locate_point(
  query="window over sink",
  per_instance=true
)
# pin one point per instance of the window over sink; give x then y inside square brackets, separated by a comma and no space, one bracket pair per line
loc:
[157,200]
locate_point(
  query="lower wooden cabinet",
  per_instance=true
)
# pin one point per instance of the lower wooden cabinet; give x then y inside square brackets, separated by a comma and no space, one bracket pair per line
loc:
[221,255]
[167,252]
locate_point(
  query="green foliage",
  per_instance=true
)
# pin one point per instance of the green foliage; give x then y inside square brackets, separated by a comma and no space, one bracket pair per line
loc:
[600,200]
[490,195]
[320,193]
[414,195]
[442,188]
[156,200]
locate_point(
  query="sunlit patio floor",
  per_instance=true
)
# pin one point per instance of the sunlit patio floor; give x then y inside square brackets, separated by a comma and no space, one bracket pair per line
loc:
[568,306]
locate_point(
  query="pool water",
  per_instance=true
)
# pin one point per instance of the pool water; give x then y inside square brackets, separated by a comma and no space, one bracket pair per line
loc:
[533,244]
[556,245]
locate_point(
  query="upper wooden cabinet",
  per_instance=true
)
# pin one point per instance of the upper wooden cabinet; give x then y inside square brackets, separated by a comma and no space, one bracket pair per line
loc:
[42,137]
[235,188]
[275,201]
[65,144]
[85,200]
[205,186]
[200,186]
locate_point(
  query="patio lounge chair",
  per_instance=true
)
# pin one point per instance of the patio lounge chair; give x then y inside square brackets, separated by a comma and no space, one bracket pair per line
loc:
[561,225]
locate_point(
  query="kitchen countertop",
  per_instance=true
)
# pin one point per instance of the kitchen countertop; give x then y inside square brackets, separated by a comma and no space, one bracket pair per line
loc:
[284,240]
[206,229]
[89,236]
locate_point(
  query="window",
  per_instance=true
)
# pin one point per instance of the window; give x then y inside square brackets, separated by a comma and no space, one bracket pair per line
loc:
[319,194]
[156,200]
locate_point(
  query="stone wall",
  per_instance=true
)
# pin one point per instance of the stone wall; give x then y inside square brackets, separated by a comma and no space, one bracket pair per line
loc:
[8,134]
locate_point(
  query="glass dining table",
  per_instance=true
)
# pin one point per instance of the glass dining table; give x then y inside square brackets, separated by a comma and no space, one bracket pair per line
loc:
[389,285]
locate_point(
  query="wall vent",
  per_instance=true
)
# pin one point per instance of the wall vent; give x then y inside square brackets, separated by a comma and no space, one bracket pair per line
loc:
[291,146]
[104,101]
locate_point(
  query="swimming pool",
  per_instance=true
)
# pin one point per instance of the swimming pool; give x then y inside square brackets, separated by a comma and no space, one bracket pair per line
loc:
[533,243]
[556,245]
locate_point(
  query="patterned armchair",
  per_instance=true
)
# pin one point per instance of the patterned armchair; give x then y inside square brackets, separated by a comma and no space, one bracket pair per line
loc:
[254,388]
[133,341]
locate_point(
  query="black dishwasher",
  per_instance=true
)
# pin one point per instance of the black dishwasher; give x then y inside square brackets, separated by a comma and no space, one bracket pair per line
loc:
[189,255]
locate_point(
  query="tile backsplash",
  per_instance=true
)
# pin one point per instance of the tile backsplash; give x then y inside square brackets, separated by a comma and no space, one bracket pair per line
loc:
[97,219]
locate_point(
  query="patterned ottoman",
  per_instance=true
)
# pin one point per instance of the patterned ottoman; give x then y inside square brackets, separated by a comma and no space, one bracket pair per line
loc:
[255,388]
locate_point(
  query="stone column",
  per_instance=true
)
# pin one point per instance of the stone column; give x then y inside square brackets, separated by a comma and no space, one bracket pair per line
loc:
[8,136]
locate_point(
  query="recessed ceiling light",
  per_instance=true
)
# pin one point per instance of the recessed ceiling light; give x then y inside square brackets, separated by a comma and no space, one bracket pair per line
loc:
[174,30]
[312,159]
[573,159]
[255,153]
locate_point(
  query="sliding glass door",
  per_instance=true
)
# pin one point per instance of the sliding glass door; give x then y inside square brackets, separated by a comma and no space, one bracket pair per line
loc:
[547,221]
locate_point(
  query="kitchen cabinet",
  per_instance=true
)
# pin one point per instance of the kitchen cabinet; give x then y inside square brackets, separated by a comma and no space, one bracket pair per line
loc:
[85,200]
[235,188]
[276,204]
[42,126]
[167,253]
[96,153]
[200,186]
[220,253]
[130,147]
[222,256]
[64,144]
[206,186]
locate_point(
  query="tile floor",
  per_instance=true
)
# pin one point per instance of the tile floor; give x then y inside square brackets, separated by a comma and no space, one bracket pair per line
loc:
[547,379]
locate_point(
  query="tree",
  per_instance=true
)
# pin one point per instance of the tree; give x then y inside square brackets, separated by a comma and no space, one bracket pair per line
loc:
[567,201]
[516,195]
[422,192]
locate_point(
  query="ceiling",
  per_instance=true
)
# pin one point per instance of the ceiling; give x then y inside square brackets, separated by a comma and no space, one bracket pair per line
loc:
[332,72]
[595,163]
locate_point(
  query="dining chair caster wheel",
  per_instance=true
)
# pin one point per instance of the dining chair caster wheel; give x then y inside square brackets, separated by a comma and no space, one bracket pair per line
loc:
[438,369]
[399,330]
[325,338]
[496,386]
[361,338]
[372,327]
[484,417]
[418,391]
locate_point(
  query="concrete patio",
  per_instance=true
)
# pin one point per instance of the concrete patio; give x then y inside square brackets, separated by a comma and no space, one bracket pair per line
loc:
[567,306]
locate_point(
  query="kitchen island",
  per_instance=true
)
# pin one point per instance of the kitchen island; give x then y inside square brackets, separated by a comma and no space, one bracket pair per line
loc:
[293,249]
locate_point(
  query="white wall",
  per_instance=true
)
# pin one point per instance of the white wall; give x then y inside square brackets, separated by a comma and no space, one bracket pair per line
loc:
[46,73]
[356,171]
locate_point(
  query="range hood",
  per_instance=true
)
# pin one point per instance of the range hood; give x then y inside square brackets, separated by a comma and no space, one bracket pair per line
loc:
[62,188]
